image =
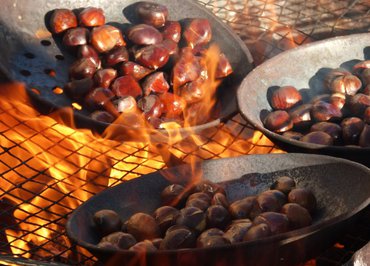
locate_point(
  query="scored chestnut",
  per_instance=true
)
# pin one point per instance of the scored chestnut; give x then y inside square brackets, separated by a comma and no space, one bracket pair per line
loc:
[120,239]
[257,231]
[104,77]
[241,208]
[323,111]
[197,32]
[193,218]
[173,195]
[126,86]
[171,31]
[285,97]
[135,70]
[107,221]
[278,121]
[116,55]
[334,130]
[297,215]
[217,216]
[236,231]
[143,226]
[277,222]
[155,82]
[87,51]
[179,238]
[62,19]
[76,36]
[105,38]
[165,217]
[92,17]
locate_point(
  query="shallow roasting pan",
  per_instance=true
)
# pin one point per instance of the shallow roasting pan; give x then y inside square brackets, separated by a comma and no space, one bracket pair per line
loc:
[305,68]
[342,188]
[27,49]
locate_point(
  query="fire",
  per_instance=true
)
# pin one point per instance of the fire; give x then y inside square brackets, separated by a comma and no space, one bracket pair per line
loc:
[49,167]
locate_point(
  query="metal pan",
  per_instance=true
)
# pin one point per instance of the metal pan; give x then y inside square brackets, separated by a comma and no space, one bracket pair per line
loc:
[305,68]
[342,188]
[27,49]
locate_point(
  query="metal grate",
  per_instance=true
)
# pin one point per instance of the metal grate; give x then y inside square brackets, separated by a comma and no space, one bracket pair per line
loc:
[36,196]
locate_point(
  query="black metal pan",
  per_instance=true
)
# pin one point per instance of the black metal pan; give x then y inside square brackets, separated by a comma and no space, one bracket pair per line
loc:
[28,51]
[342,188]
[305,68]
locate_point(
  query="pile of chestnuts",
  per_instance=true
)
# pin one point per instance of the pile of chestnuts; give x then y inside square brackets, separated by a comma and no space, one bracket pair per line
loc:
[157,67]
[341,117]
[202,216]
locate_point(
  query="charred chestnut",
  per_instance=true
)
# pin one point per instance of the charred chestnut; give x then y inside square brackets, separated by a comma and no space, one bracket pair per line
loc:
[107,221]
[142,226]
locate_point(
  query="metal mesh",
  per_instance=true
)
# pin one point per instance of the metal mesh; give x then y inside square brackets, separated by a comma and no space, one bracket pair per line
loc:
[37,196]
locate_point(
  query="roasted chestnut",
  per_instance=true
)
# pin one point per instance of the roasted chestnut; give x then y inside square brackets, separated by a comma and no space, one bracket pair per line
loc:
[284,184]
[104,77]
[179,238]
[143,34]
[107,222]
[143,226]
[297,215]
[293,135]
[98,98]
[236,231]
[348,84]
[120,239]
[102,116]
[152,13]
[334,130]
[208,187]
[173,105]
[220,199]
[212,241]
[351,129]
[338,99]
[87,51]
[151,106]
[358,104]
[267,201]
[303,197]
[257,231]
[173,195]
[224,67]
[105,38]
[91,17]
[82,68]
[116,55]
[277,222]
[285,97]
[165,217]
[143,247]
[278,121]
[126,86]
[152,56]
[318,137]
[186,69]
[367,115]
[77,89]
[217,216]
[125,104]
[193,218]
[198,32]
[197,202]
[241,208]
[135,70]
[76,36]
[301,115]
[365,137]
[171,31]
[210,232]
[323,111]
[62,19]
[155,82]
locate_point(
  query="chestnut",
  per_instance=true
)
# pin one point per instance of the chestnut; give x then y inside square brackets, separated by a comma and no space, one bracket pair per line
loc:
[125,104]
[323,111]
[155,82]
[367,115]
[318,137]
[171,31]
[241,208]
[62,19]
[76,36]
[207,187]
[277,222]
[116,55]
[82,68]
[186,69]
[135,70]
[297,215]
[91,17]
[333,74]
[173,105]
[358,104]
[267,201]
[224,67]
[279,195]
[193,218]
[199,203]
[193,91]
[171,47]
[126,86]
[120,239]
[98,98]
[197,32]
[179,238]
[143,34]
[165,217]
[321,98]
[351,129]
[102,116]
[104,77]
[285,97]
[157,242]
[152,56]
[301,115]
[151,106]
[348,84]
[365,137]
[143,247]
[77,89]
[107,221]
[107,245]
[212,241]
[293,135]
[338,99]
[303,197]
[236,231]
[173,195]
[105,38]
[176,227]
[220,199]
[200,195]
[284,184]
[278,121]
[210,232]
[151,13]
[257,232]
[217,216]
[87,51]
[142,226]
[334,130]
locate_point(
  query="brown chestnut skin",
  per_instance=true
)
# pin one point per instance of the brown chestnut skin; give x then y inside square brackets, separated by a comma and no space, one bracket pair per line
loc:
[367,115]
[104,77]
[257,232]
[293,135]
[125,104]
[156,83]
[165,217]
[211,232]
[338,100]
[351,129]
[197,32]
[151,106]
[62,19]
[105,38]
[102,116]
[157,242]
[220,199]
[143,226]
[120,239]
[217,216]
[297,215]
[152,56]
[334,130]
[193,91]
[284,184]
[178,239]
[241,208]
[301,115]
[333,74]
[224,67]
[173,195]
[277,222]
[207,187]
[126,86]
[77,89]
[98,98]
[193,218]
[279,195]
[321,98]
[143,247]
[171,47]
[303,197]
[236,231]
[87,51]
[91,17]
[267,201]
[365,137]
[143,34]
[171,31]
[173,105]
[107,222]
[285,97]
[201,195]
[176,227]
[115,56]
[323,111]
[318,137]
[186,69]
[107,245]
[212,241]
[278,121]
[152,13]
[348,84]
[199,203]
[358,104]
[76,36]
[82,68]
[135,70]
